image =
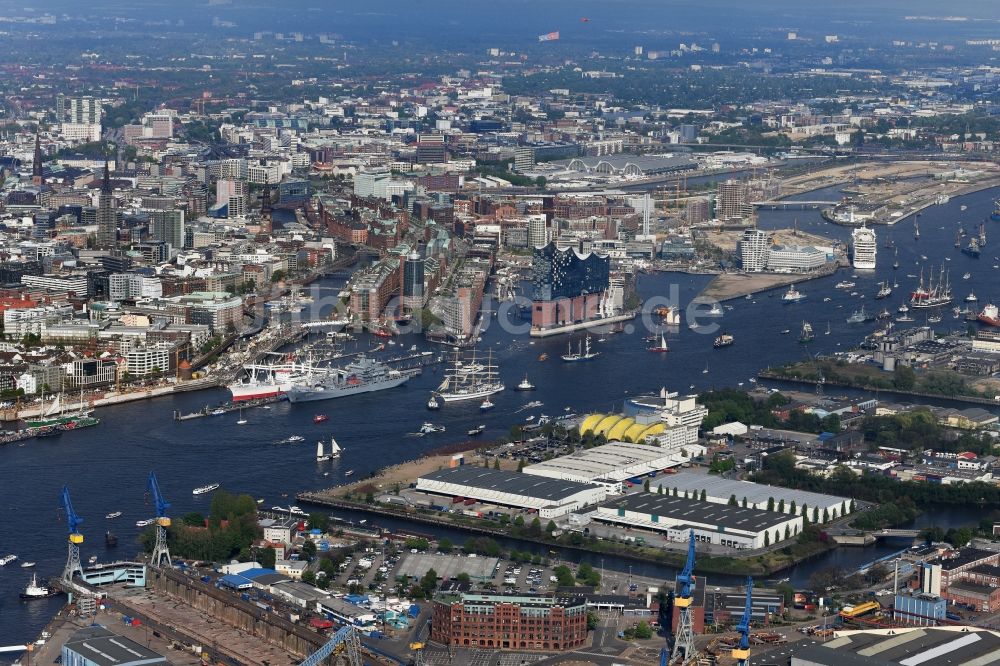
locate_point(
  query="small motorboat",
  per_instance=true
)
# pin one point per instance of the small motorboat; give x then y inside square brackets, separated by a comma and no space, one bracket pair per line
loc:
[478,430]
[349,472]
[321,418]
[217,412]
[433,403]
[92,559]
[486,405]
[27,565]
[113,515]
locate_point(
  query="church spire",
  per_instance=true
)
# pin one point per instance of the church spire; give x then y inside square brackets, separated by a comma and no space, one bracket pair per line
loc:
[106,185]
[36,166]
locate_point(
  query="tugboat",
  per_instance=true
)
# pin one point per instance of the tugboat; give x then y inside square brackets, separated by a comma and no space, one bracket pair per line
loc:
[433,403]
[486,405]
[724,340]
[36,591]
[807,334]
[525,385]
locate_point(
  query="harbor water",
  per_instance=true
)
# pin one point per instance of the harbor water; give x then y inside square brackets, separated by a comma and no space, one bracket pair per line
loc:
[106,466]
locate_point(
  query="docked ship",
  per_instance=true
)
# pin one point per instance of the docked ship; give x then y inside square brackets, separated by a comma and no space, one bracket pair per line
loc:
[793,295]
[990,315]
[36,591]
[470,379]
[864,247]
[583,351]
[262,381]
[55,415]
[934,294]
[364,375]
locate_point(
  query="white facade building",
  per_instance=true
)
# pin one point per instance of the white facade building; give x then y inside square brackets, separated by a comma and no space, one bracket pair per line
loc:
[754,248]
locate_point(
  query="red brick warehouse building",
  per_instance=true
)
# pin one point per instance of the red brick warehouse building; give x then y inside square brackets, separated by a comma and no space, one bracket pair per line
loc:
[533,622]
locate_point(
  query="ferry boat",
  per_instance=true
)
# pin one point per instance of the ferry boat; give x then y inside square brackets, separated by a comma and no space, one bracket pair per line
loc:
[583,352]
[807,334]
[145,523]
[864,248]
[723,340]
[478,430]
[334,451]
[113,515]
[990,315]
[470,379]
[793,295]
[201,490]
[36,591]
[7,559]
[525,385]
[364,375]
[661,345]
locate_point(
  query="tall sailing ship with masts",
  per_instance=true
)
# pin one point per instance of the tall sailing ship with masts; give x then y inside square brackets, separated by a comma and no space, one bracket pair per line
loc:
[935,294]
[470,377]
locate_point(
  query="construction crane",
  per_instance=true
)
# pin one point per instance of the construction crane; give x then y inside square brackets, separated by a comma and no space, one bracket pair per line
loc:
[75,538]
[684,638]
[741,653]
[161,553]
[345,643]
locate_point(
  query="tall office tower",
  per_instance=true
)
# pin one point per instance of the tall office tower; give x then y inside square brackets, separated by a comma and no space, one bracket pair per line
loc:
[412,291]
[431,149]
[107,213]
[167,226]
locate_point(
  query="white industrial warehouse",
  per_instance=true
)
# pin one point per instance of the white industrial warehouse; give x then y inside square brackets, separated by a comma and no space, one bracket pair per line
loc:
[758,496]
[614,462]
[550,498]
[723,525]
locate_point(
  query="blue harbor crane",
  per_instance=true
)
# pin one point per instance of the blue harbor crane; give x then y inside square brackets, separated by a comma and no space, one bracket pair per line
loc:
[345,644]
[741,653]
[684,638]
[161,553]
[73,521]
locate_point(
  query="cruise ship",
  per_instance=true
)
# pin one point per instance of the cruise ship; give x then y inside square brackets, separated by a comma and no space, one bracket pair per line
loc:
[262,381]
[864,248]
[364,375]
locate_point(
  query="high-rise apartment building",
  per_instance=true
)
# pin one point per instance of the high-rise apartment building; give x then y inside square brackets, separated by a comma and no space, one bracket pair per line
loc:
[730,202]
[233,194]
[754,250]
[82,110]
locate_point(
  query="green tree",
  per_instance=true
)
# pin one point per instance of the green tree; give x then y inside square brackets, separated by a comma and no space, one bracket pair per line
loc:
[194,519]
[463,578]
[781,506]
[703,495]
[645,485]
[643,631]
[496,463]
[429,582]
[551,527]
[732,500]
[309,550]
[564,577]
[535,528]
[593,620]
[445,545]
[904,378]
[792,509]
[268,557]
[767,539]
[319,521]
[308,577]
[520,465]
[744,502]
[770,504]
[519,521]
[277,276]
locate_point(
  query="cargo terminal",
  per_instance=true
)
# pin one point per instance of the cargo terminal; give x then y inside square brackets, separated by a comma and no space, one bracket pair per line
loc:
[720,491]
[510,489]
[720,524]
[612,463]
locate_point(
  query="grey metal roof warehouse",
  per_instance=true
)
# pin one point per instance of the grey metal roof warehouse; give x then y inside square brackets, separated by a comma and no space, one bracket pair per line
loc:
[756,493]
[101,647]
[696,511]
[926,645]
[514,483]
[415,565]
